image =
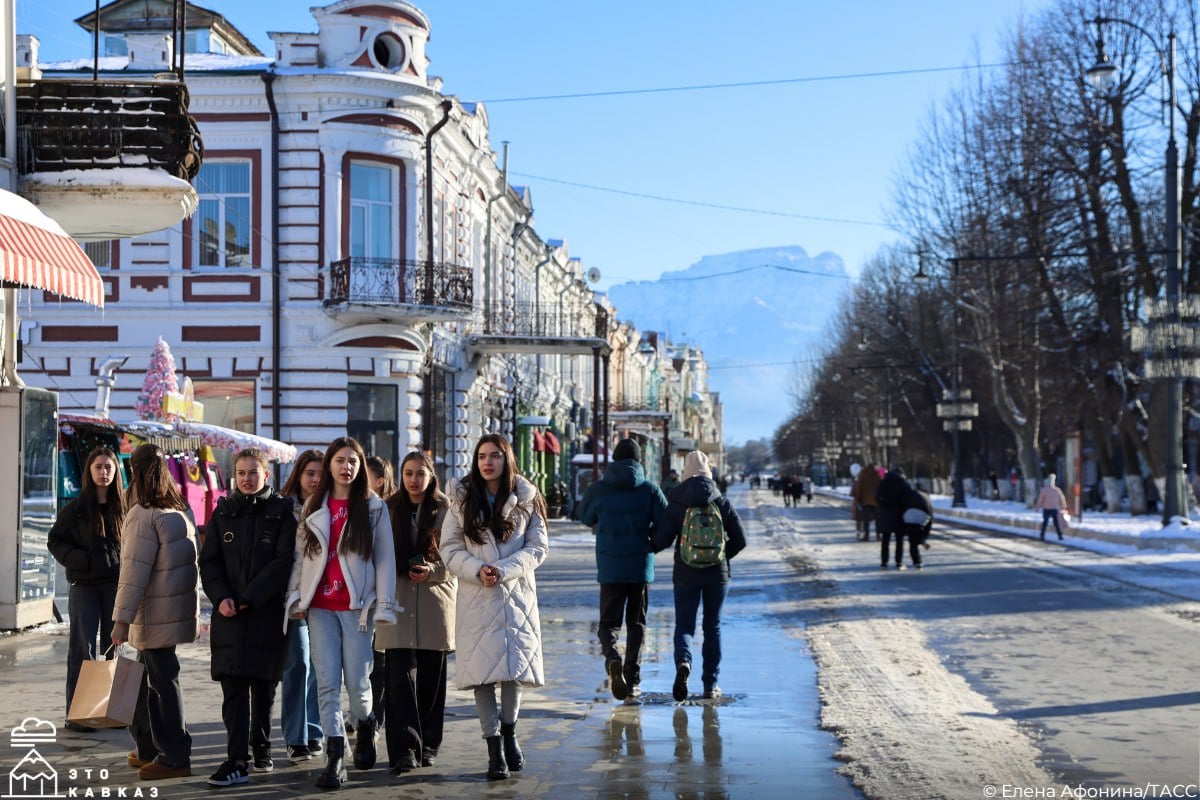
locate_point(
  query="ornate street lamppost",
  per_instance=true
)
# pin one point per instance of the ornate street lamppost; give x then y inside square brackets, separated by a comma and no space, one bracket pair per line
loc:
[1167,361]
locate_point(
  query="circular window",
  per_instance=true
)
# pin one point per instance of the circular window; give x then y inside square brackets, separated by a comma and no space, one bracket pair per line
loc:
[389,51]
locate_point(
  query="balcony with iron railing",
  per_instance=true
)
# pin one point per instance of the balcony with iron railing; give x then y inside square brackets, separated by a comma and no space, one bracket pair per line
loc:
[130,147]
[543,320]
[563,328]
[427,291]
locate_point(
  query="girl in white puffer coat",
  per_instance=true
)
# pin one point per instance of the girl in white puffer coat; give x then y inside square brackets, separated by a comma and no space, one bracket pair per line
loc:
[493,539]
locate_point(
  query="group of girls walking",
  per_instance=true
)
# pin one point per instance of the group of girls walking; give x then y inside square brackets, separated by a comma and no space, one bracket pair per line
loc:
[308,591]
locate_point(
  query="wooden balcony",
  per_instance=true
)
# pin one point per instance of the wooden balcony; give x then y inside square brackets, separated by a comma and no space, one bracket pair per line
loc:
[108,159]
[399,289]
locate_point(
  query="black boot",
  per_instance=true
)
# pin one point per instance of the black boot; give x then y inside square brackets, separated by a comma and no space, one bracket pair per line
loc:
[334,774]
[497,768]
[512,749]
[364,744]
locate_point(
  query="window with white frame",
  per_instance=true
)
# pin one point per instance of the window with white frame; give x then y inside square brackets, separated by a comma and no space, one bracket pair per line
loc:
[372,210]
[222,224]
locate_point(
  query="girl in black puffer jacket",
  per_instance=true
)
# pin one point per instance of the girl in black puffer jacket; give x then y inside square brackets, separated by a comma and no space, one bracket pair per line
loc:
[86,540]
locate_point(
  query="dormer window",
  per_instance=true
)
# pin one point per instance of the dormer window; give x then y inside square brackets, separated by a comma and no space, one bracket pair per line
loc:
[389,51]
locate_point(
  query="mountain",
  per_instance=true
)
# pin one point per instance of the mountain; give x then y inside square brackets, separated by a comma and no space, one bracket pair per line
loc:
[755,313]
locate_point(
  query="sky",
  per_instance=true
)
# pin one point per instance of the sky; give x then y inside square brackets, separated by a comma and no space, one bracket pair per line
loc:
[813,108]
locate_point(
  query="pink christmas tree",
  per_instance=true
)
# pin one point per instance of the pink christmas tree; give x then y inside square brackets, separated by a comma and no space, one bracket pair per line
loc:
[160,378]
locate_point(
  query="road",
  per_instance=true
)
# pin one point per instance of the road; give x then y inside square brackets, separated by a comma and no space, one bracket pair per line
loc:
[1006,662]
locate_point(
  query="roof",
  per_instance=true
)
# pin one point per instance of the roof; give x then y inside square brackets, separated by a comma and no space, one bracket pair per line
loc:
[125,16]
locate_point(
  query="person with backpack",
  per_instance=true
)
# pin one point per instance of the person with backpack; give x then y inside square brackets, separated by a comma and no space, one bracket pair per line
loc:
[707,533]
[916,521]
[889,514]
[623,509]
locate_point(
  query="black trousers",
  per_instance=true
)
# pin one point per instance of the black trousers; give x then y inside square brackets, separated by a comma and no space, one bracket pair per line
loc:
[628,601]
[416,701]
[914,548]
[158,729]
[90,606]
[378,678]
[246,712]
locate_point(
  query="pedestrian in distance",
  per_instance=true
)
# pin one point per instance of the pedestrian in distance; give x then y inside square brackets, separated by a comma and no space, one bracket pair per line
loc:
[86,540]
[669,483]
[383,484]
[343,581]
[1052,502]
[623,509]
[245,564]
[916,521]
[706,533]
[889,514]
[494,538]
[300,715]
[862,500]
[157,608]
[382,476]
[418,644]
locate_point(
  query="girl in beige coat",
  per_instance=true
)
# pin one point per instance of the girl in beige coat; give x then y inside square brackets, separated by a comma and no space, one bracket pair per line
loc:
[157,608]
[423,635]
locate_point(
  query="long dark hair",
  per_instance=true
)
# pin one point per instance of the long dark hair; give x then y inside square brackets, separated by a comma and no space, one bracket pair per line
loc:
[400,507]
[106,519]
[357,536]
[478,515]
[292,487]
[152,485]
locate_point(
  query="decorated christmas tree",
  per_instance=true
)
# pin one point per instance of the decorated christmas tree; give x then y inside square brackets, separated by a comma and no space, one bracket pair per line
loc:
[160,378]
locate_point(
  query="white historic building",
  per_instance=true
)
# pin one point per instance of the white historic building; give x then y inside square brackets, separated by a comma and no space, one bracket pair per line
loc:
[357,260]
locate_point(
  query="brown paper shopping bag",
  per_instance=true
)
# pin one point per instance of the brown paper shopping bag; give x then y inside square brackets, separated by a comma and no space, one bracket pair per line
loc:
[106,693]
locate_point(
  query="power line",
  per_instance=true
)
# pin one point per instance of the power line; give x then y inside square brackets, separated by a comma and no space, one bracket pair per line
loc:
[746,84]
[681,201]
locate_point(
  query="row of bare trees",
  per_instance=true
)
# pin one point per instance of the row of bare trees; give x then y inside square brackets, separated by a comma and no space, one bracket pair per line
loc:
[1035,206]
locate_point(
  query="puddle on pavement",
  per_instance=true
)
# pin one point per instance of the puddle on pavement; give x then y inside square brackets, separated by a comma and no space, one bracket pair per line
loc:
[760,740]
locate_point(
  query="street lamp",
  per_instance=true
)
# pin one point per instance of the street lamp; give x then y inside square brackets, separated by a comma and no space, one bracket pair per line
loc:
[1103,76]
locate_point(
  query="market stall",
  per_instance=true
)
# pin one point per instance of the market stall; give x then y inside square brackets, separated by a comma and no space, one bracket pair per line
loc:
[199,455]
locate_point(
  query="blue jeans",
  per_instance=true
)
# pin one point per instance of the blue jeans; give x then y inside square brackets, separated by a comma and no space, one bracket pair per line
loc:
[341,652]
[90,607]
[687,603]
[300,714]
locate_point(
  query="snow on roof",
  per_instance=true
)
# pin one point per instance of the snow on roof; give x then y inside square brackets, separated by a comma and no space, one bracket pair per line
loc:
[192,62]
[141,177]
[18,208]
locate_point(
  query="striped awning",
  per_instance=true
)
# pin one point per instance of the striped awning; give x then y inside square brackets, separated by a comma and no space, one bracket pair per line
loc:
[36,253]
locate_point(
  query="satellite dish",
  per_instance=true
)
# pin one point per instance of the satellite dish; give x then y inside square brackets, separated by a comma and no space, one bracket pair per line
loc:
[593,275]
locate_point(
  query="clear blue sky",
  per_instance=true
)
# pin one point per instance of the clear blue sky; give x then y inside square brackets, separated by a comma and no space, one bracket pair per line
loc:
[811,150]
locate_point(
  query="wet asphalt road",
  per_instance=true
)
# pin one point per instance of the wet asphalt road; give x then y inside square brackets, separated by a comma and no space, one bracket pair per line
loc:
[760,740]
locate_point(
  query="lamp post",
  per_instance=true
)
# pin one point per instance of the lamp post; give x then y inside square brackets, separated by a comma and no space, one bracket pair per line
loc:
[1103,76]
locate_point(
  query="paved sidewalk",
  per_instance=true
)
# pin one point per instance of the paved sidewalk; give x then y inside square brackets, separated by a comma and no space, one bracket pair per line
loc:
[760,740]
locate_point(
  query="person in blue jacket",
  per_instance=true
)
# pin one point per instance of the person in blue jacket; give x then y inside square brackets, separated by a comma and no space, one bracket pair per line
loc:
[624,509]
[695,585]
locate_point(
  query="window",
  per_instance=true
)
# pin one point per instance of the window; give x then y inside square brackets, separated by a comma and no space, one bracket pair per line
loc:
[115,46]
[371,412]
[372,211]
[100,253]
[221,227]
[229,404]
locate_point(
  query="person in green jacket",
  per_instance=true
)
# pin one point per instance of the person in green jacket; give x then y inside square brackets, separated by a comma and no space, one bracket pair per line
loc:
[623,509]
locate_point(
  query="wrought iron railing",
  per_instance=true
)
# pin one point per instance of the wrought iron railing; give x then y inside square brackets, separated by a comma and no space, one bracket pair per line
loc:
[546,320]
[73,124]
[649,404]
[393,281]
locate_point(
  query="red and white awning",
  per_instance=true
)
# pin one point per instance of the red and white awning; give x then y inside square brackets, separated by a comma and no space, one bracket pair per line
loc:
[36,253]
